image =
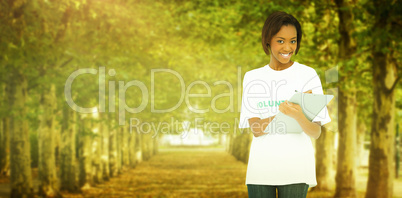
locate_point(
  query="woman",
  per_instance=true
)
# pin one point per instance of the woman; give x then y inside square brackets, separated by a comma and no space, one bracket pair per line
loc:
[282,162]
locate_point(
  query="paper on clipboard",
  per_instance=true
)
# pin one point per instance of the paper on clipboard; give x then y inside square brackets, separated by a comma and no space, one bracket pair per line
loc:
[311,104]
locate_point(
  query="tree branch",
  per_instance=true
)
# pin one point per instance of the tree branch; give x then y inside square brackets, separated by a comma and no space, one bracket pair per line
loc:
[66,62]
[394,85]
[364,70]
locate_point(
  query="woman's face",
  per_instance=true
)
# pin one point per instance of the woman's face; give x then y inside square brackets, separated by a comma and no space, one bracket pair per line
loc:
[284,44]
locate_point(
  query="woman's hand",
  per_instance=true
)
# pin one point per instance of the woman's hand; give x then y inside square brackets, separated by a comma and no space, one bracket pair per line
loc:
[258,125]
[291,109]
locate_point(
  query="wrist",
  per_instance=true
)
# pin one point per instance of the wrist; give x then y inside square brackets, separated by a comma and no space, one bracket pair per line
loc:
[301,118]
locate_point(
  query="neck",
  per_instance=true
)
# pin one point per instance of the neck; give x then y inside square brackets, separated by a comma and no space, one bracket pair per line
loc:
[276,65]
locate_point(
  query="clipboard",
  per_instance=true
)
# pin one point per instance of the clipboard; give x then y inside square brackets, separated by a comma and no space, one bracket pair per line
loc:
[312,105]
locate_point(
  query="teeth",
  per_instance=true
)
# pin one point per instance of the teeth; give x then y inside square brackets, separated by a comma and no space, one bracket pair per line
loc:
[285,54]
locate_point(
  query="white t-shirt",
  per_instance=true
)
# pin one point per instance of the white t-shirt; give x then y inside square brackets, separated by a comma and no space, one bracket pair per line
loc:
[279,159]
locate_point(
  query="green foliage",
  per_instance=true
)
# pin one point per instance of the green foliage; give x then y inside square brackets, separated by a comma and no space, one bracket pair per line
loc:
[200,40]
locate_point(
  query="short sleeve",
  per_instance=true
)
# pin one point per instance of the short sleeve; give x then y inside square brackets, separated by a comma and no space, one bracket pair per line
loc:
[248,105]
[314,84]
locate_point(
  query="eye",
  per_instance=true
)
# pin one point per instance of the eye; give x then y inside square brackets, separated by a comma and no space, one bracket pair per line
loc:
[280,41]
[293,42]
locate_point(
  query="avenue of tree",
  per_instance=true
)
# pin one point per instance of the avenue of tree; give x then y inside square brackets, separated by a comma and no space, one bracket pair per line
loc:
[170,48]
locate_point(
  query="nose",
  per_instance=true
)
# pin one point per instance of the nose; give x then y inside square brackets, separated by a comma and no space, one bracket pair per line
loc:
[287,47]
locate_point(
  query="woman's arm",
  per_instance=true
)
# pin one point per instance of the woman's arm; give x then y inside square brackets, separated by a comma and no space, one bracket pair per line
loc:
[312,129]
[258,125]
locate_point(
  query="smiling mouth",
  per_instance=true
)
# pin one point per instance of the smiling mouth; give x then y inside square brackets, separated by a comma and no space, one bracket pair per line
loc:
[286,55]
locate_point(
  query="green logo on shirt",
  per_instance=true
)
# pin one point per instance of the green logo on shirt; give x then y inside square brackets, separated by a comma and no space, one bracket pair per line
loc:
[269,103]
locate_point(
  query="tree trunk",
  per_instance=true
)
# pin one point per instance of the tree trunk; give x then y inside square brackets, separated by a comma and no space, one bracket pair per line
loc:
[4,138]
[2,147]
[146,146]
[113,148]
[324,160]
[150,145]
[57,139]
[67,151]
[104,130]
[132,149]
[97,152]
[324,152]
[361,134]
[85,148]
[119,143]
[346,169]
[385,72]
[381,161]
[230,143]
[125,147]
[398,151]
[20,157]
[49,183]
[241,145]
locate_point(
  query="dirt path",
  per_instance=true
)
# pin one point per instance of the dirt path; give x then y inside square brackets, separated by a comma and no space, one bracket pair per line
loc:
[203,172]
[189,172]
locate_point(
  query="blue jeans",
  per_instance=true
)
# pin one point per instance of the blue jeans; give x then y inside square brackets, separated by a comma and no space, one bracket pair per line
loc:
[284,191]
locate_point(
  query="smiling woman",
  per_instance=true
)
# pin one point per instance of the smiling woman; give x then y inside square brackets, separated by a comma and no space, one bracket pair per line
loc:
[271,165]
[281,26]
[283,44]
[281,37]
